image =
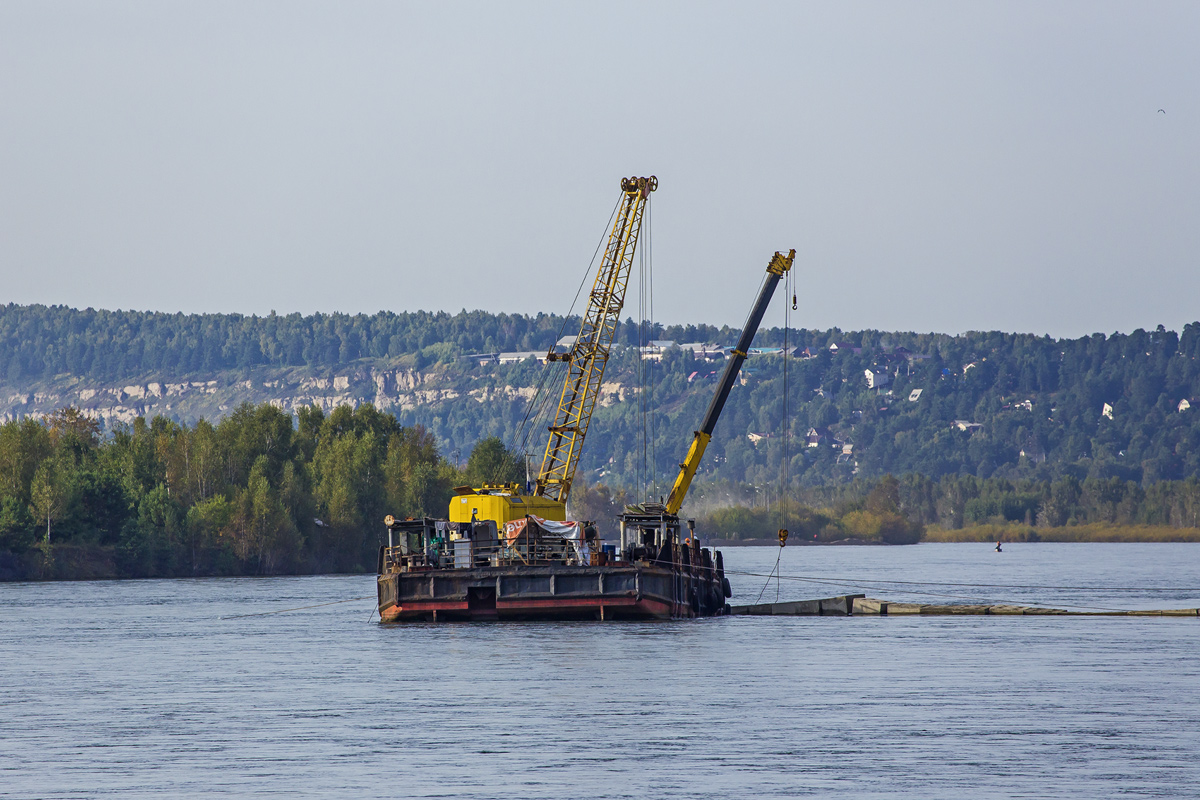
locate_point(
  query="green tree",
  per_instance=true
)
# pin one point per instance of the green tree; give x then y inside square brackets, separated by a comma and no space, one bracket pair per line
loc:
[18,530]
[47,493]
[492,463]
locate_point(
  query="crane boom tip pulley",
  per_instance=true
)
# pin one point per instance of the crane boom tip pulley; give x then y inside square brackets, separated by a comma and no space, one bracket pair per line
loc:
[644,186]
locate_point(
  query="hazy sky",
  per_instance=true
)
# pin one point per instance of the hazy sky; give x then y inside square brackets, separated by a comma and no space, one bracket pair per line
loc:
[937,166]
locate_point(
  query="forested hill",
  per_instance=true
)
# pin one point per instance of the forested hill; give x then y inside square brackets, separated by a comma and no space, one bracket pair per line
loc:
[990,404]
[43,341]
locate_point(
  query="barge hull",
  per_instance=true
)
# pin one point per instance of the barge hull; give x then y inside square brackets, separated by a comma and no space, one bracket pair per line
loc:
[642,591]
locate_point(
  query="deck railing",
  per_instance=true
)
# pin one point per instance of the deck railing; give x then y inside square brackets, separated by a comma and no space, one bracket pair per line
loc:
[468,554]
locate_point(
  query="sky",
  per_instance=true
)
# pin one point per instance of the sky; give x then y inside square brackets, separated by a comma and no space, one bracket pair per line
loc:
[937,166]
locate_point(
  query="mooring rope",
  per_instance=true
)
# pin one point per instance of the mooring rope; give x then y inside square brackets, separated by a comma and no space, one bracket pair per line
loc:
[299,608]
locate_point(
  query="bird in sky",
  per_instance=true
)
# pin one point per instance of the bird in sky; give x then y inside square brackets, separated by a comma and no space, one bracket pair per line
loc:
[1161,111]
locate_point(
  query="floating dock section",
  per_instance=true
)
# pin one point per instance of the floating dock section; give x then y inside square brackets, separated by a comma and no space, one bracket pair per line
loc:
[854,605]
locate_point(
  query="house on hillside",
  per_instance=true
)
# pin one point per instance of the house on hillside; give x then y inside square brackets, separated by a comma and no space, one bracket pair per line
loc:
[843,347]
[1034,452]
[653,351]
[1024,404]
[1107,411]
[706,352]
[481,358]
[816,437]
[877,378]
[914,395]
[964,425]
[908,355]
[1186,403]
[517,358]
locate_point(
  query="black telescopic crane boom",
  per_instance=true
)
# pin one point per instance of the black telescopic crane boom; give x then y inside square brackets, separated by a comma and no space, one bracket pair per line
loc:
[779,266]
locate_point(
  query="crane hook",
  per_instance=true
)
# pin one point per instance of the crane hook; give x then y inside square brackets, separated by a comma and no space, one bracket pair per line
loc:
[793,301]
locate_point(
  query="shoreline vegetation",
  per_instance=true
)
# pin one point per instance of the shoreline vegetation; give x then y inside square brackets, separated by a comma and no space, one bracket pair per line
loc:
[267,492]
[989,534]
[1070,533]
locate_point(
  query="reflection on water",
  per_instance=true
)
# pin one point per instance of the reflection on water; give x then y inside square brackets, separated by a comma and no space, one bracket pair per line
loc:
[148,688]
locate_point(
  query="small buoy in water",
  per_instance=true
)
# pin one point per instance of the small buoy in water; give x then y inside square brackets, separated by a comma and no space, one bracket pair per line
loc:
[998,550]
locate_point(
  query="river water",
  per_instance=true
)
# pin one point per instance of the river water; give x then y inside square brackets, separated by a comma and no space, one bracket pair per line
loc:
[158,688]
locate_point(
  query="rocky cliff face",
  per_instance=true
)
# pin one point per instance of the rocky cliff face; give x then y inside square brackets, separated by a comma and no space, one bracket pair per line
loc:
[388,388]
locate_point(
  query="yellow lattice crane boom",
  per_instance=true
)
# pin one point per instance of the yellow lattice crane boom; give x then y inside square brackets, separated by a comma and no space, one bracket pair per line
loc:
[589,354]
[586,361]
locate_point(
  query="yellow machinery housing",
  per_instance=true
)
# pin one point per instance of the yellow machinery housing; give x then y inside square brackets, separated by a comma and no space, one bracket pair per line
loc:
[502,503]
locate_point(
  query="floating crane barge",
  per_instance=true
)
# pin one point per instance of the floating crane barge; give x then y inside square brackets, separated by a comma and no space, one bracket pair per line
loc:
[505,555]
[540,578]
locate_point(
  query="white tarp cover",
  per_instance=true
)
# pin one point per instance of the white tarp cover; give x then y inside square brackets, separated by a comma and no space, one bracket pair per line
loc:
[567,530]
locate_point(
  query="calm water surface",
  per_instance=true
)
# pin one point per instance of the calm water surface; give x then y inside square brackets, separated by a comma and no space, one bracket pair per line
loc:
[149,688]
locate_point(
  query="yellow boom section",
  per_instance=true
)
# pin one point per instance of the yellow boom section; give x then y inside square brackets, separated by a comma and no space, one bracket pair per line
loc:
[589,355]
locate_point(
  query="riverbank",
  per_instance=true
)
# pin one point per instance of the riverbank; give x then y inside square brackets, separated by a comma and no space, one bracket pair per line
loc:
[1005,533]
[85,562]
[1069,533]
[791,542]
[96,562]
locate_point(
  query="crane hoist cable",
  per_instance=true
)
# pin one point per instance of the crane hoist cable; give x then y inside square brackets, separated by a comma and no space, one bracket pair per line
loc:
[534,407]
[785,421]
[784,501]
[647,473]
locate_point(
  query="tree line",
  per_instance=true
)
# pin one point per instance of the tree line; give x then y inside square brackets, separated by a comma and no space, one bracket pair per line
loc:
[900,510]
[38,341]
[260,492]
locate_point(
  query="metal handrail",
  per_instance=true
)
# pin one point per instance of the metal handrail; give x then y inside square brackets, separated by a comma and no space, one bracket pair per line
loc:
[522,551]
